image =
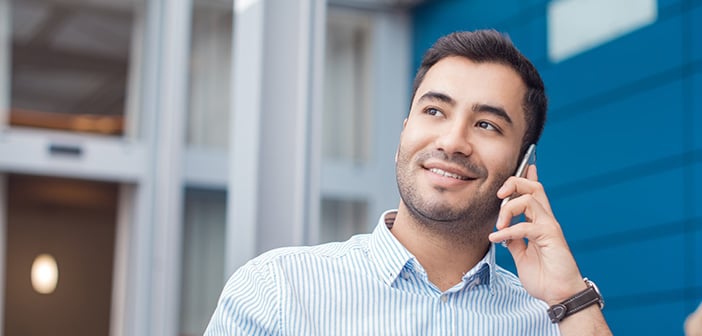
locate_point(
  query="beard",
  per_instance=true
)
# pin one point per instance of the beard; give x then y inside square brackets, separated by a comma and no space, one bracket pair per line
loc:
[468,223]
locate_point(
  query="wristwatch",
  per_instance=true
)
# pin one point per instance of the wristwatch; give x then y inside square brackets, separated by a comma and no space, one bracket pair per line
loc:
[578,302]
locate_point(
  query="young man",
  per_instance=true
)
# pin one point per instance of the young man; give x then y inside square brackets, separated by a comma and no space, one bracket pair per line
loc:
[429,268]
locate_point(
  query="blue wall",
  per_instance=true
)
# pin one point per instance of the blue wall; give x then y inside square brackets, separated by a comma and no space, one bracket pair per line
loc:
[621,156]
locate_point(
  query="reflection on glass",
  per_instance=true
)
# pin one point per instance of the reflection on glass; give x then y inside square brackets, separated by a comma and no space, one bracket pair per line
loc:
[44,274]
[203,257]
[69,64]
[347,87]
[210,59]
[76,222]
[342,218]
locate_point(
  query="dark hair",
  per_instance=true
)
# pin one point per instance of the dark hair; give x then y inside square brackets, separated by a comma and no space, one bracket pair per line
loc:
[491,46]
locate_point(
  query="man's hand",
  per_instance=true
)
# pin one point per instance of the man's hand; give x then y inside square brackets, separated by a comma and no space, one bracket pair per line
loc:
[545,265]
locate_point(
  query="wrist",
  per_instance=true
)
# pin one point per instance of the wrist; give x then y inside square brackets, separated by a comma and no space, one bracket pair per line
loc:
[566,291]
[582,300]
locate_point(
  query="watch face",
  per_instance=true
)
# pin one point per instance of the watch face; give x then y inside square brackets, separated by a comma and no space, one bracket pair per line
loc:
[597,290]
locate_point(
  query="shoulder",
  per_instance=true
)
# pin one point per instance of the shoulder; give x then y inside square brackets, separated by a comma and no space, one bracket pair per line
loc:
[285,257]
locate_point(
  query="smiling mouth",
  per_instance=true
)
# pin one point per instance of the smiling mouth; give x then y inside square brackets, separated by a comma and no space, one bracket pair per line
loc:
[447,174]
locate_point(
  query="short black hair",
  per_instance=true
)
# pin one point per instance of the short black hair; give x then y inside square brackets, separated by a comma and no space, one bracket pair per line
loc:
[491,46]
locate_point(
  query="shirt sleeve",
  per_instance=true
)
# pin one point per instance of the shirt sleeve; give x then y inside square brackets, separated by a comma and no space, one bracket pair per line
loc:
[249,303]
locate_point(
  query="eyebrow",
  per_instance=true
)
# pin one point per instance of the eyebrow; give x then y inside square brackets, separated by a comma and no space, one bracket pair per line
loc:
[432,95]
[495,110]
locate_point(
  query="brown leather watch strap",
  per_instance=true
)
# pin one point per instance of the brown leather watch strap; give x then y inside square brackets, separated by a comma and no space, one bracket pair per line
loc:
[578,302]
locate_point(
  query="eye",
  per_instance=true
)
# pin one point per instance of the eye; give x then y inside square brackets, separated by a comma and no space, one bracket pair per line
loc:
[433,111]
[486,125]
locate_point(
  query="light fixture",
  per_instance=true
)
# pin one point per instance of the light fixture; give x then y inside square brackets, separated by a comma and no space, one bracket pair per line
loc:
[44,274]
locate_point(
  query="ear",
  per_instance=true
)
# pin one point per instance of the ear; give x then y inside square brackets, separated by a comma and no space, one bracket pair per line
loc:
[397,151]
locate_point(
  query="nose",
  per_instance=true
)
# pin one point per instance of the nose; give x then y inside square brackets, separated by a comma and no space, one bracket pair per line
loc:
[455,139]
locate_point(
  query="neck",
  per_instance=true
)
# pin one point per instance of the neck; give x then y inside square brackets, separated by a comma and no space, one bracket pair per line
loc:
[445,257]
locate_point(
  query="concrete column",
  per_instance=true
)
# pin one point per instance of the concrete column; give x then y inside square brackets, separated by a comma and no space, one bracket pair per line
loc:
[151,307]
[273,193]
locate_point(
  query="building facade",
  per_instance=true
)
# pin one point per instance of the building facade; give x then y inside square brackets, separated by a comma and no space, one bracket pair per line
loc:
[153,146]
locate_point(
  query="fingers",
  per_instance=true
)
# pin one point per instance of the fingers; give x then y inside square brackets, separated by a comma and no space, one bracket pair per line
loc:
[539,220]
[521,186]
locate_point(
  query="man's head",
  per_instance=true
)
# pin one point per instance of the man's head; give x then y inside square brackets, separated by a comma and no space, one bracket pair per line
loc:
[491,46]
[465,132]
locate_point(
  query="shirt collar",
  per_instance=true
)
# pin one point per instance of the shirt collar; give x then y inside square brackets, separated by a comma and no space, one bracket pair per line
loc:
[390,256]
[386,252]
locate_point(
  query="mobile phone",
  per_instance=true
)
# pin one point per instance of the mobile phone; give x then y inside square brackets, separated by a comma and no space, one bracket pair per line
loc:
[528,159]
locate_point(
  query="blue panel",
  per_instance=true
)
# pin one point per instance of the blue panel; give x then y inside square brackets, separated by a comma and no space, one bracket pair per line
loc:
[696,22]
[697,190]
[434,19]
[697,257]
[667,4]
[530,38]
[618,63]
[636,204]
[643,267]
[537,2]
[697,108]
[646,319]
[635,130]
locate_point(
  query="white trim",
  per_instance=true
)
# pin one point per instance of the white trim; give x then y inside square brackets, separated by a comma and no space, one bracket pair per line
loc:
[206,167]
[120,279]
[5,65]
[167,170]
[317,35]
[247,78]
[100,158]
[575,26]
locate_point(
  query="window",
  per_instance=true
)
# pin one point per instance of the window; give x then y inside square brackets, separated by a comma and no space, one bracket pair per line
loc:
[347,87]
[70,64]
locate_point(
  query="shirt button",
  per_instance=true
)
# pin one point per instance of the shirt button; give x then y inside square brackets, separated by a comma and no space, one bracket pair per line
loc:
[444,298]
[405,276]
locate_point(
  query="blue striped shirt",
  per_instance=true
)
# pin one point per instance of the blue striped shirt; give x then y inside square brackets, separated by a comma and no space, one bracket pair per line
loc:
[371,285]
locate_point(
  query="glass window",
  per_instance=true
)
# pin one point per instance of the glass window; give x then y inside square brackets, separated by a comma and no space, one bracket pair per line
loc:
[69,64]
[210,64]
[346,117]
[203,257]
[342,218]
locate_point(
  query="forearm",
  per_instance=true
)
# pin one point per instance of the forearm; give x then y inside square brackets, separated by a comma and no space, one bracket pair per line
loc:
[589,321]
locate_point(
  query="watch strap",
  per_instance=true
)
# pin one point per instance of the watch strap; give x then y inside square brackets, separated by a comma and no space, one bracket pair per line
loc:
[578,302]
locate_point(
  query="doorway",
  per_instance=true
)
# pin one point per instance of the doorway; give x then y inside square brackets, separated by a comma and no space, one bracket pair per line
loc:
[74,221]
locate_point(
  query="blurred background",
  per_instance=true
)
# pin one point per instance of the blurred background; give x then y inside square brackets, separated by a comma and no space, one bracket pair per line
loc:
[150,147]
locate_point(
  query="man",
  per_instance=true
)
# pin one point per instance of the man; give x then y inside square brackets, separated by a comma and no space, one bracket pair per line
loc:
[693,323]
[429,268]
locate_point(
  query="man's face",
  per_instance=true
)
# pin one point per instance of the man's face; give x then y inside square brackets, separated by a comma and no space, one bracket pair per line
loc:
[460,142]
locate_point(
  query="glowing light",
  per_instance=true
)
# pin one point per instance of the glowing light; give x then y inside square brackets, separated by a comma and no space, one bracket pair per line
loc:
[44,274]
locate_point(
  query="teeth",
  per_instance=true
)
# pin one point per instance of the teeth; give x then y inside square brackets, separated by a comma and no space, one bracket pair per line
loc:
[447,174]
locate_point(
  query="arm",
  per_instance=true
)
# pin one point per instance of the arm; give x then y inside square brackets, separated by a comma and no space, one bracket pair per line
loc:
[248,304]
[545,265]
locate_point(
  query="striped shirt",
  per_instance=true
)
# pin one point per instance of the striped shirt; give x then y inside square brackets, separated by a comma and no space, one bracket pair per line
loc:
[371,285]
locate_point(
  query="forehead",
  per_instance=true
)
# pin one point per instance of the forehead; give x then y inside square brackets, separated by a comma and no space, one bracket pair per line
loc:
[469,82]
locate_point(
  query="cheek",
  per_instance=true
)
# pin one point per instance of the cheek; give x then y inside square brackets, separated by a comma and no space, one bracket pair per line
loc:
[502,165]
[411,141]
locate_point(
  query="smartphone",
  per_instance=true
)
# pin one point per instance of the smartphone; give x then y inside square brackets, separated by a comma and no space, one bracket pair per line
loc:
[528,159]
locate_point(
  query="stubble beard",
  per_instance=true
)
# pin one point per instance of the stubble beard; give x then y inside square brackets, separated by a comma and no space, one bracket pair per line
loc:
[467,224]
